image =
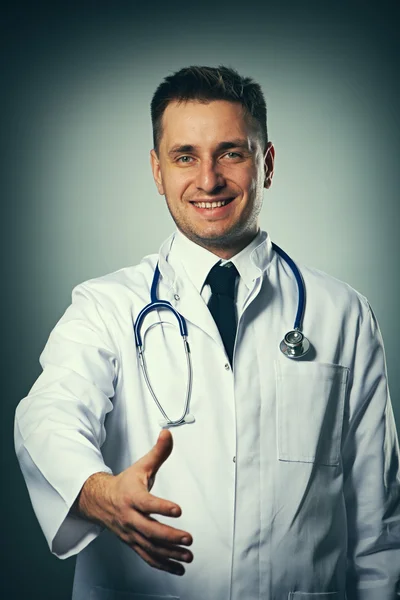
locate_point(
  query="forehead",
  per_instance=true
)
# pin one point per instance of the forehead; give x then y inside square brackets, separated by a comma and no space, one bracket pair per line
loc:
[194,122]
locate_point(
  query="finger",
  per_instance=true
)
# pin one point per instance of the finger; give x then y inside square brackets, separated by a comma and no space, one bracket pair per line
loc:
[159,533]
[162,551]
[164,565]
[149,504]
[153,460]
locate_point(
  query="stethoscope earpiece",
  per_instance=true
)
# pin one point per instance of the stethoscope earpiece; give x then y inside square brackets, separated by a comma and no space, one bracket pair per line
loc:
[164,424]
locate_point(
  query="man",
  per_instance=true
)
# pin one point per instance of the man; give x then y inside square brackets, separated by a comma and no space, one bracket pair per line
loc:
[283,482]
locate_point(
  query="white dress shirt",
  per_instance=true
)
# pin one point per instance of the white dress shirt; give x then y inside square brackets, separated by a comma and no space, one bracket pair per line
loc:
[198,262]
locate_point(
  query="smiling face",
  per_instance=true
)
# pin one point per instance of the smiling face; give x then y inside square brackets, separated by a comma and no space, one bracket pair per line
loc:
[212,172]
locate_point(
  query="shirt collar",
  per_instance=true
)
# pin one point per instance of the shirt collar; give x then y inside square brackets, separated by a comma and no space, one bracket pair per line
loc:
[251,262]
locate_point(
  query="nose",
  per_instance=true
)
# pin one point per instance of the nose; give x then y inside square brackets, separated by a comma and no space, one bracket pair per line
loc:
[209,176]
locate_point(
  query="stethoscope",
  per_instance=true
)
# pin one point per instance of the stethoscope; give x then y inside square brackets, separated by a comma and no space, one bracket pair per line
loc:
[294,344]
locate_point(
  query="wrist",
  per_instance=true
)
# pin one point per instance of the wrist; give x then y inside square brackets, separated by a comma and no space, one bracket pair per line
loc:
[93,501]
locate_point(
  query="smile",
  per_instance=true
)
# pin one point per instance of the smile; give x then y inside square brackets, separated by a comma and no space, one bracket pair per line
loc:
[210,205]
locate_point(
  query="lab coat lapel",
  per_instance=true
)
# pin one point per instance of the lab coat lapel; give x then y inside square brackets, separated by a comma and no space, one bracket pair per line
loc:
[189,303]
[176,287]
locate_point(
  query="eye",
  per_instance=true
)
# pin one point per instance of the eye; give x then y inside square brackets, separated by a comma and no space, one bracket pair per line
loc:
[233,155]
[184,159]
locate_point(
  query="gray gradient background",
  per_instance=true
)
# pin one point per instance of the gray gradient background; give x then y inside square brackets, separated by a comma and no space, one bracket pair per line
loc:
[78,196]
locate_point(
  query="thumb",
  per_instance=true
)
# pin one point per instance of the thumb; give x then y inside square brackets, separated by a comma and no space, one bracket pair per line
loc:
[153,460]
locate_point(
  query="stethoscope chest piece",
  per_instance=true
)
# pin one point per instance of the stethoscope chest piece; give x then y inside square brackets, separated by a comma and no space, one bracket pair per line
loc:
[294,344]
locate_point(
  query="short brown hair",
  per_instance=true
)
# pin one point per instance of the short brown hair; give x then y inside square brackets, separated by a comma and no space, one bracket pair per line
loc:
[206,84]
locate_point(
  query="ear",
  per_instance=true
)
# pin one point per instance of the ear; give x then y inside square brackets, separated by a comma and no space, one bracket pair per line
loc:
[155,167]
[269,162]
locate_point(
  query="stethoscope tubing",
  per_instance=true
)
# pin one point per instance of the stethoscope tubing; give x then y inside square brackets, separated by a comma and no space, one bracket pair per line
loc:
[155,304]
[188,386]
[300,286]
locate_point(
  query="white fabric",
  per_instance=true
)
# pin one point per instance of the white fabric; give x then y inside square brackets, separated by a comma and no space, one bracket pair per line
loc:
[198,262]
[311,503]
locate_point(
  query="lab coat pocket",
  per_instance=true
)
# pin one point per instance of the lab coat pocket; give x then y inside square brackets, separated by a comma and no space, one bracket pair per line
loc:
[310,404]
[99,593]
[313,596]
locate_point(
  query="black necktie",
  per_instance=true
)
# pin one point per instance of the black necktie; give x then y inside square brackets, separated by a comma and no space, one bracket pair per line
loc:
[221,304]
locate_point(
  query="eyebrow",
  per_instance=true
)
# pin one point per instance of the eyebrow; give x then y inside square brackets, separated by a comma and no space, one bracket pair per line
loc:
[235,143]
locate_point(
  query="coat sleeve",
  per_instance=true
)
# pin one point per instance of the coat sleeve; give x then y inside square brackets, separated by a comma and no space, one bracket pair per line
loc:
[59,426]
[371,473]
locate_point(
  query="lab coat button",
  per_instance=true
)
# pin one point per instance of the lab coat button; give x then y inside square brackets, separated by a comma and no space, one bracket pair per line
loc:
[227,367]
[177,297]
[234,459]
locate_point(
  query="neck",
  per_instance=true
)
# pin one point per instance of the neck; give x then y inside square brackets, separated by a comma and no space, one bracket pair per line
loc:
[221,249]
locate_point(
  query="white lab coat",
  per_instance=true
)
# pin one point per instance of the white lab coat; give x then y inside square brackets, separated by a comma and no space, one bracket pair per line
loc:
[288,479]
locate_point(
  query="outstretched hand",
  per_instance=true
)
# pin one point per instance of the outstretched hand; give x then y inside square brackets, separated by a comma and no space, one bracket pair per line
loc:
[125,505]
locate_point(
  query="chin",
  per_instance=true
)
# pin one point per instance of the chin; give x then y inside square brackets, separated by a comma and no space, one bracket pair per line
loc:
[217,239]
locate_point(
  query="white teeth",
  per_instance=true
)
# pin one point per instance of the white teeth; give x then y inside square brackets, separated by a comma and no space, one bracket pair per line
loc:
[210,204]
